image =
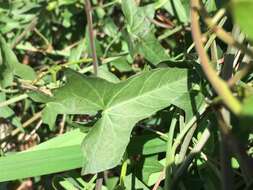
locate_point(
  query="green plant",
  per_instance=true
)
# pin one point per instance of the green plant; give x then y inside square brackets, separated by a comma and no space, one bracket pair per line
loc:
[120,93]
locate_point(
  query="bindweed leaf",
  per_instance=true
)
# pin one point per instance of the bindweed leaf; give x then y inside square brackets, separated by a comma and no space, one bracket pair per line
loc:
[122,104]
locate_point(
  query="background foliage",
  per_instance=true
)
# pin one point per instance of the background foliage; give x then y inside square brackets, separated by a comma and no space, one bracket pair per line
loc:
[152,118]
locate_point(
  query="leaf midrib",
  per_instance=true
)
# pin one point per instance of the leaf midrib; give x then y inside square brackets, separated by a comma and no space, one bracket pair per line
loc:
[108,109]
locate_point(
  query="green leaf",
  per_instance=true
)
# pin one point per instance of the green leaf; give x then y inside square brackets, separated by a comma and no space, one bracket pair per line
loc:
[80,95]
[247,109]
[150,166]
[71,138]
[133,181]
[122,64]
[234,163]
[105,73]
[137,18]
[56,155]
[5,111]
[127,103]
[8,113]
[242,11]
[111,183]
[151,49]
[146,144]
[123,105]
[41,162]
[10,66]
[76,52]
[141,36]
[177,9]
[210,5]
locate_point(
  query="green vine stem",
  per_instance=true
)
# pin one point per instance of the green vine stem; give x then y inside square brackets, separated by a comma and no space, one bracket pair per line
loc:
[228,39]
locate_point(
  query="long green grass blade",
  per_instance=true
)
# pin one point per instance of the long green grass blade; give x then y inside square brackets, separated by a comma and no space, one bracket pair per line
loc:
[56,155]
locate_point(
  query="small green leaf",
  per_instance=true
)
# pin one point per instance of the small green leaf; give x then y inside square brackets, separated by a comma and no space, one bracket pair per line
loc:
[122,64]
[105,73]
[141,38]
[151,49]
[8,113]
[10,66]
[234,163]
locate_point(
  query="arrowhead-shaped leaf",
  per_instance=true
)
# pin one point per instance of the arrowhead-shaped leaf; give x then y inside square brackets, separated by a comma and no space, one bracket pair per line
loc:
[122,105]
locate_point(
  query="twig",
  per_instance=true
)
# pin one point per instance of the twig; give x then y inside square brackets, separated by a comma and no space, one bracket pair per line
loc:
[88,11]
[62,124]
[221,33]
[38,125]
[35,117]
[161,177]
[59,67]
[24,125]
[218,84]
[103,6]
[48,44]
[29,28]
[162,135]
[159,24]
[211,38]
[227,38]
[8,91]
[13,100]
[170,32]
[240,74]
[99,181]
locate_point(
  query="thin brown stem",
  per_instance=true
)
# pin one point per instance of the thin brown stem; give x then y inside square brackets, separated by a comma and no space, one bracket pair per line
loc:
[88,11]
[226,170]
[218,84]
[161,177]
[28,29]
[99,181]
[35,117]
